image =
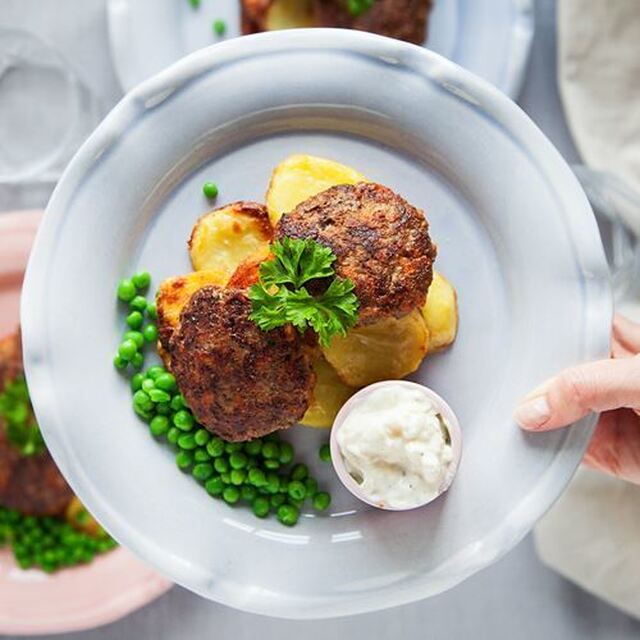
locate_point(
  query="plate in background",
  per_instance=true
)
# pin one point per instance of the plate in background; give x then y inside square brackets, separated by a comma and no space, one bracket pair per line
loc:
[516,236]
[114,584]
[489,37]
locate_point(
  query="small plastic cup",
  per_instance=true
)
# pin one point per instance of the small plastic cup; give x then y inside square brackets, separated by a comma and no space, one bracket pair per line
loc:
[442,407]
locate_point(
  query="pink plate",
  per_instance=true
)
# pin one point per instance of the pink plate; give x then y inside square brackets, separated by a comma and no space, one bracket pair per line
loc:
[114,585]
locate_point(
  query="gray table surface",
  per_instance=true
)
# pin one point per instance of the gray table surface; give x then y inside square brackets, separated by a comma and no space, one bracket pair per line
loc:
[516,598]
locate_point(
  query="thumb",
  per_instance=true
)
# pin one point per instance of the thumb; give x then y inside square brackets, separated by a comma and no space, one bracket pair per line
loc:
[597,386]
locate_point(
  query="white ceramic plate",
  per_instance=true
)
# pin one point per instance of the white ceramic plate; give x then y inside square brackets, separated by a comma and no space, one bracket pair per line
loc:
[515,235]
[489,37]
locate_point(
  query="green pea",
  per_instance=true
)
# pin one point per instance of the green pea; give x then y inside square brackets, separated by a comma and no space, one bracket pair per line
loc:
[230,447]
[248,492]
[152,311]
[219,28]
[214,486]
[139,303]
[195,4]
[324,453]
[286,453]
[184,460]
[148,385]
[135,320]
[119,362]
[166,382]
[202,471]
[187,441]
[260,507]
[173,434]
[126,290]
[215,447]
[284,484]
[210,189]
[257,478]
[201,455]
[311,487]
[177,402]
[321,501]
[155,371]
[141,280]
[270,450]
[221,465]
[150,333]
[238,460]
[273,482]
[145,414]
[231,494]
[127,350]
[271,464]
[142,400]
[136,381]
[163,408]
[276,500]
[137,360]
[159,425]
[238,476]
[299,472]
[288,514]
[136,336]
[253,447]
[226,478]
[183,420]
[202,436]
[158,395]
[297,490]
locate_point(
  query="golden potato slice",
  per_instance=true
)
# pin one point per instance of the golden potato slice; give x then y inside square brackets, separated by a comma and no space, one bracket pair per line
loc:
[225,237]
[289,14]
[389,349]
[299,177]
[329,394]
[174,293]
[440,313]
[79,518]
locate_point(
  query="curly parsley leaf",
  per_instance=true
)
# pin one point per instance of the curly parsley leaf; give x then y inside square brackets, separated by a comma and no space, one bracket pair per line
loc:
[280,297]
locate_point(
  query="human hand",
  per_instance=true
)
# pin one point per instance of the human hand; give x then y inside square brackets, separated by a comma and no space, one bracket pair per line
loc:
[609,387]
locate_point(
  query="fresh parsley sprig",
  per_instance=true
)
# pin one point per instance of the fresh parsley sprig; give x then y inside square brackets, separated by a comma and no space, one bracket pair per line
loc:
[281,297]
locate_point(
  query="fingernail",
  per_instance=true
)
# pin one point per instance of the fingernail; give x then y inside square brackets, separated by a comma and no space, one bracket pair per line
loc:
[533,413]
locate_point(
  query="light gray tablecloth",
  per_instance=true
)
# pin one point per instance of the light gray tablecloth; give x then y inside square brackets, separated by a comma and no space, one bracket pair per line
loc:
[516,599]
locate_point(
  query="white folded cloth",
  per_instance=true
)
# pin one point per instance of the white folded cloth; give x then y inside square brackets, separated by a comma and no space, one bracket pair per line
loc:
[592,534]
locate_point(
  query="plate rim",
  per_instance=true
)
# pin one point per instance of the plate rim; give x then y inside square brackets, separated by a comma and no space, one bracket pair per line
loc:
[521,34]
[433,67]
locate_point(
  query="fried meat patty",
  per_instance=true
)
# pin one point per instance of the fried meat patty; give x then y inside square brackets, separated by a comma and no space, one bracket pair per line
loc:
[381,242]
[31,484]
[239,381]
[401,19]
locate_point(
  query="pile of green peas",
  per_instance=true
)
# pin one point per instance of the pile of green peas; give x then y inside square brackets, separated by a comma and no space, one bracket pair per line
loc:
[50,543]
[260,473]
[131,349]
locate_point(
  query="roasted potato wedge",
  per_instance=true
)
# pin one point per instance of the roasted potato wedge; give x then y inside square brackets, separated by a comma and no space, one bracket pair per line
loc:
[225,237]
[301,176]
[271,15]
[440,313]
[173,295]
[329,394]
[389,349]
[79,518]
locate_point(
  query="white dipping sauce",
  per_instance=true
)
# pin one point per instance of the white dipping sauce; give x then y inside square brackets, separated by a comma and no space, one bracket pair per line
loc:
[393,445]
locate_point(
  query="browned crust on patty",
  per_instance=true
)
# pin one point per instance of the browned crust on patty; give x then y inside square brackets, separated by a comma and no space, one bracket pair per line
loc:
[400,19]
[31,484]
[248,208]
[247,273]
[239,381]
[381,242]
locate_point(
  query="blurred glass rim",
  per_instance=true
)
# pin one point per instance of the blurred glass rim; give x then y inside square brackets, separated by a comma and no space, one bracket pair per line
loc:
[23,48]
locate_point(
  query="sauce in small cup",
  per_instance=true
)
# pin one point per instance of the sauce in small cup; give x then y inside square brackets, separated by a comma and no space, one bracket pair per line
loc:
[397,437]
